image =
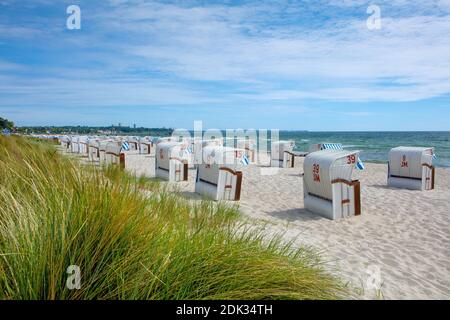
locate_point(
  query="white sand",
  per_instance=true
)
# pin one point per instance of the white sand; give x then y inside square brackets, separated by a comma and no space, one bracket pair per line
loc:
[404,234]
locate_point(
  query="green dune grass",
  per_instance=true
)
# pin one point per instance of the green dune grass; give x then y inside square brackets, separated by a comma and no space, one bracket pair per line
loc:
[132,239]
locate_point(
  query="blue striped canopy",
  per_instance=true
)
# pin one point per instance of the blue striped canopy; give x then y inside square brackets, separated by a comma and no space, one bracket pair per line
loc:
[125,146]
[332,146]
[188,151]
[245,161]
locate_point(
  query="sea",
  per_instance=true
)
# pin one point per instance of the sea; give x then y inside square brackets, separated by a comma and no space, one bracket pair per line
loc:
[374,146]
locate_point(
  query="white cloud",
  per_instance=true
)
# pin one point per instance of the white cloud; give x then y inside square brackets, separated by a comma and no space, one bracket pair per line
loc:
[6,66]
[262,51]
[72,93]
[406,60]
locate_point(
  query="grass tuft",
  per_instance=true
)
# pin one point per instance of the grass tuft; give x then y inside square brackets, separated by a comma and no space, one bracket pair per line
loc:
[132,239]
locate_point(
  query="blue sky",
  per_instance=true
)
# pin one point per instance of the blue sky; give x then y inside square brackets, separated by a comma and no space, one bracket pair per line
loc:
[307,65]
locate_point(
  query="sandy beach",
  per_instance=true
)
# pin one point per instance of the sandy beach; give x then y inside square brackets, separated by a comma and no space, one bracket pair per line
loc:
[399,248]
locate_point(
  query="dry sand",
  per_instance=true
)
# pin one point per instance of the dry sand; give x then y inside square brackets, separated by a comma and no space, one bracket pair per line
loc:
[402,235]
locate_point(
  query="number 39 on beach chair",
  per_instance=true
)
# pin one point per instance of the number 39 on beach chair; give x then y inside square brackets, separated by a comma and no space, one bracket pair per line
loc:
[328,186]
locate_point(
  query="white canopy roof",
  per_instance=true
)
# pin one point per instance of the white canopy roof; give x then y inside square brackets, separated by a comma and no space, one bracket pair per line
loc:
[408,161]
[328,158]
[413,149]
[322,167]
[221,155]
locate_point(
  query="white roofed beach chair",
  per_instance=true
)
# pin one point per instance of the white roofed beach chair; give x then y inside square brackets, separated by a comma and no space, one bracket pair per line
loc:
[218,176]
[199,144]
[133,145]
[94,150]
[170,161]
[334,146]
[249,146]
[281,154]
[74,146]
[145,145]
[65,143]
[83,146]
[114,154]
[328,186]
[158,140]
[102,150]
[411,168]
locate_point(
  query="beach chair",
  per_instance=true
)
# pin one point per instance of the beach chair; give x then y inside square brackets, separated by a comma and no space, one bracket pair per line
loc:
[328,186]
[165,139]
[133,144]
[170,162]
[334,146]
[102,149]
[411,168]
[94,150]
[188,146]
[145,146]
[74,146]
[83,146]
[249,146]
[199,144]
[218,177]
[65,143]
[114,154]
[281,154]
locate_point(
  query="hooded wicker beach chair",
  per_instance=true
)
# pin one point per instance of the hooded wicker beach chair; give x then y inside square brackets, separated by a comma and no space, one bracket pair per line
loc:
[328,186]
[218,176]
[280,154]
[411,168]
[170,161]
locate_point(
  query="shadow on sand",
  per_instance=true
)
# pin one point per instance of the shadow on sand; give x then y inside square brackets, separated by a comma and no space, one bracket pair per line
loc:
[190,195]
[298,174]
[291,215]
[381,186]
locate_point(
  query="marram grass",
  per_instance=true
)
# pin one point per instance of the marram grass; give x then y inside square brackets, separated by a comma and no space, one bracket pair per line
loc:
[132,239]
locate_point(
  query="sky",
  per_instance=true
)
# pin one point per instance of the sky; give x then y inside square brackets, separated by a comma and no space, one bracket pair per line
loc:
[296,65]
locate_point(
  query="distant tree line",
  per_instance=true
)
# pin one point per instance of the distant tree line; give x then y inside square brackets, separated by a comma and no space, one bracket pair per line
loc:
[6,124]
[96,130]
